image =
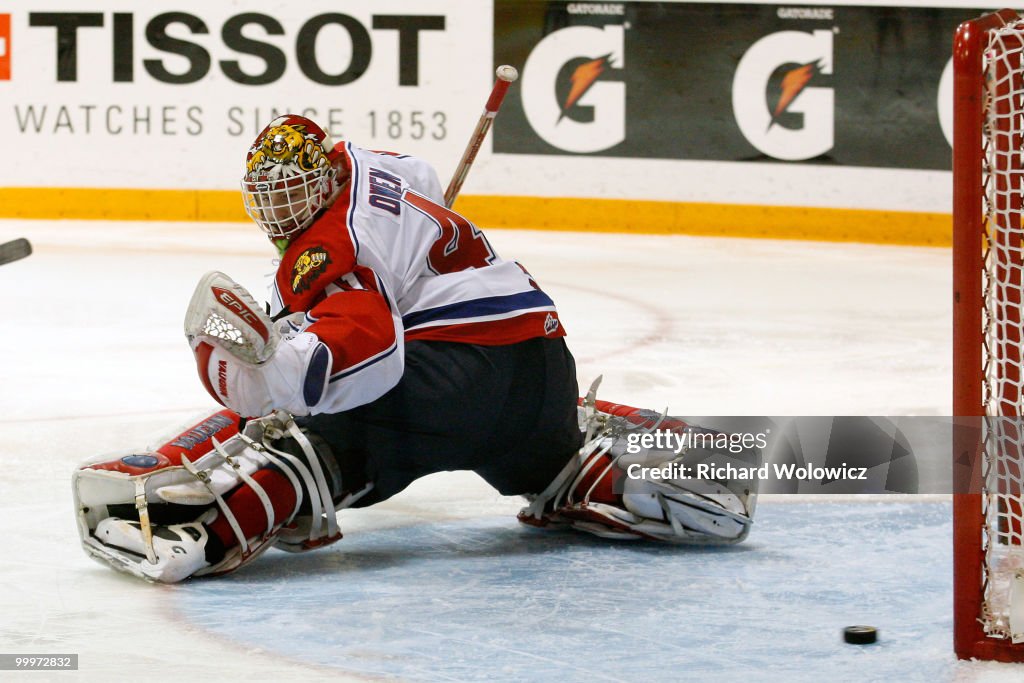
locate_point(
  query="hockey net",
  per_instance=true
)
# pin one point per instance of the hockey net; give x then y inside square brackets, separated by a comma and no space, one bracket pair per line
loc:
[988,263]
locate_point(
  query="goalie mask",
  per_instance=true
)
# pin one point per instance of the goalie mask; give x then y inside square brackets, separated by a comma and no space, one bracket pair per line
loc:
[289,176]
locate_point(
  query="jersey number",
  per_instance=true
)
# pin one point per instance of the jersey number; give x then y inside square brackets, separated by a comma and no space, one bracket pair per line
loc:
[461,245]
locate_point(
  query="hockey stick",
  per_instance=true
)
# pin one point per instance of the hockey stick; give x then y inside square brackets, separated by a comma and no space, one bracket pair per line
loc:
[14,250]
[506,75]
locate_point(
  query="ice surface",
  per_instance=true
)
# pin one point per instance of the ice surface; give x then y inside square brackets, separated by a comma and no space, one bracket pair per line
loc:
[440,583]
[481,598]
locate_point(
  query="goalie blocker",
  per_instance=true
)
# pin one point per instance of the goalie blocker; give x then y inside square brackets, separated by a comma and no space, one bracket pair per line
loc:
[212,498]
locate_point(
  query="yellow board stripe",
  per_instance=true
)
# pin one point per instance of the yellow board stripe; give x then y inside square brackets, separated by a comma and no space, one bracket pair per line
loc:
[121,204]
[537,213]
[725,220]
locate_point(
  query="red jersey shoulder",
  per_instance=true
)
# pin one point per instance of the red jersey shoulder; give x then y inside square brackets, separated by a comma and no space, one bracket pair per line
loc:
[317,257]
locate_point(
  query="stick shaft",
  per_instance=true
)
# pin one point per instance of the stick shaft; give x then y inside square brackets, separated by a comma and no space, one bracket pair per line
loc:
[476,140]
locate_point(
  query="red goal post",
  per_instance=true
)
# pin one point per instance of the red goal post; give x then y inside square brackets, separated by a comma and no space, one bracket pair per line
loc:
[988,281]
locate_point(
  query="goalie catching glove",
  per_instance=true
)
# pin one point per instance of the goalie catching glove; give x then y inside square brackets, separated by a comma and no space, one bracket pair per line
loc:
[211,499]
[244,361]
[599,490]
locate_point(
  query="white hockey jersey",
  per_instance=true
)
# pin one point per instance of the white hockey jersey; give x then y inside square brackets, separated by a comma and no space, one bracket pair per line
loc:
[388,263]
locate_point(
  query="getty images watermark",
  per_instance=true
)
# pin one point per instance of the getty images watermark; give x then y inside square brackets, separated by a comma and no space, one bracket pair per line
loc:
[737,456]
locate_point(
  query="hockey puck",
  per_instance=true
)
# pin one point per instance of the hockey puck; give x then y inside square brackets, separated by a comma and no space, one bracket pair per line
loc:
[860,635]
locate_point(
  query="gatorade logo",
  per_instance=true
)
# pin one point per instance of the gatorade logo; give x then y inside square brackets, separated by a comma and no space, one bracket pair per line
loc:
[791,62]
[944,105]
[5,47]
[577,109]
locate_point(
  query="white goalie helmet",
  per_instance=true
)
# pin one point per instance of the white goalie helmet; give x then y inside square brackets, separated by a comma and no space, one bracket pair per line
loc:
[289,176]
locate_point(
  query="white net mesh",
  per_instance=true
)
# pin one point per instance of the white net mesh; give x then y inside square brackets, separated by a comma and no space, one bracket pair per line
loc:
[1003,474]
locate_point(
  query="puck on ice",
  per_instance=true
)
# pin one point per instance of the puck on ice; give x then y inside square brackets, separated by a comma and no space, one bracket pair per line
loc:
[860,635]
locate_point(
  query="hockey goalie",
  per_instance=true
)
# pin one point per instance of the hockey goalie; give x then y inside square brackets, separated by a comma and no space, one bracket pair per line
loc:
[396,343]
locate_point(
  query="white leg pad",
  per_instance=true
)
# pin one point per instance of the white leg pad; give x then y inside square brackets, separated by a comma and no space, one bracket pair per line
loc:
[677,510]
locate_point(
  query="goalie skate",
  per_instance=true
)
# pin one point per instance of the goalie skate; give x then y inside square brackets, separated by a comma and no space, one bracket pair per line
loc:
[177,550]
